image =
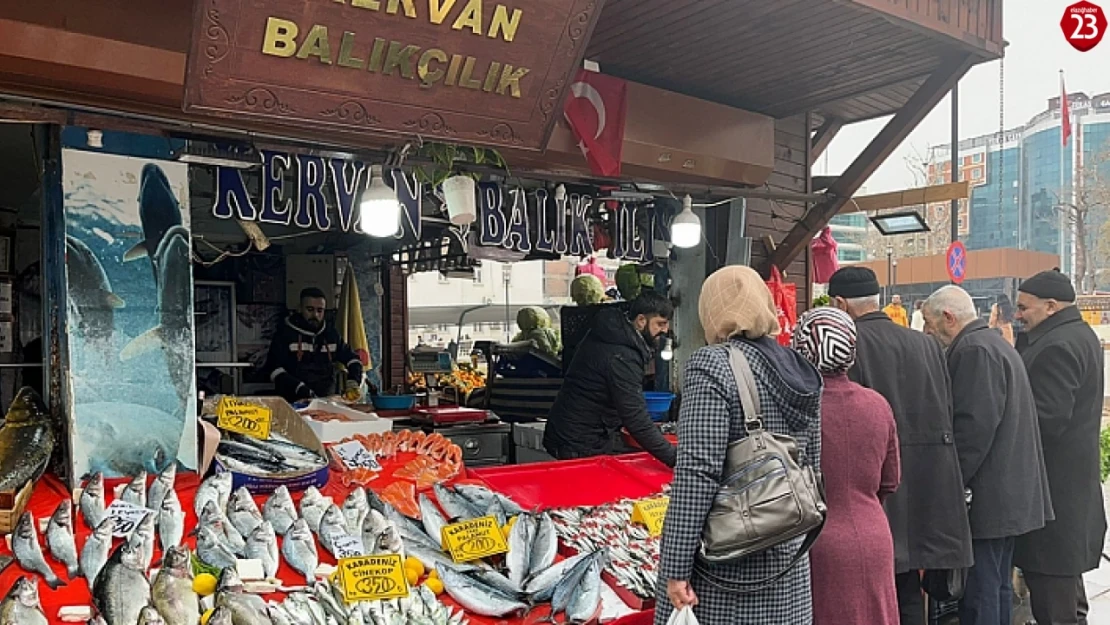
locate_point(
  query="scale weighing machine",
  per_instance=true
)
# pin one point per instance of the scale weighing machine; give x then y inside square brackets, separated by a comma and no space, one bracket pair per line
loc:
[428,363]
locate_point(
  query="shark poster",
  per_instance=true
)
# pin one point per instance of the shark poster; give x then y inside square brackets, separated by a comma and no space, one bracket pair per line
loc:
[129,314]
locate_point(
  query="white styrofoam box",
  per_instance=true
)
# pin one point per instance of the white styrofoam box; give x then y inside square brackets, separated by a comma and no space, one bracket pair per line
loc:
[334,431]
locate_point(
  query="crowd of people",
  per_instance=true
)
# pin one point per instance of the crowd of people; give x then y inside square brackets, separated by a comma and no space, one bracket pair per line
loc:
[948,456]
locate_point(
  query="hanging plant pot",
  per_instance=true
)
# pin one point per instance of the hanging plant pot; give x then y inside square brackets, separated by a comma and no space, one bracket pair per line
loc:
[462,200]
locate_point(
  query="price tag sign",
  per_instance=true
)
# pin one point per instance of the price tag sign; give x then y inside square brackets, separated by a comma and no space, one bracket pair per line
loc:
[354,455]
[474,539]
[650,513]
[346,546]
[242,417]
[1084,25]
[370,578]
[125,517]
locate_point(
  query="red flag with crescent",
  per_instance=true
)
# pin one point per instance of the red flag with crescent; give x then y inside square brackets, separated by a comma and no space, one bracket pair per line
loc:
[595,109]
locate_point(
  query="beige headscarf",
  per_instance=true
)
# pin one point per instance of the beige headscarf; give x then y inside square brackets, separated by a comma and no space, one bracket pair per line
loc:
[735,301]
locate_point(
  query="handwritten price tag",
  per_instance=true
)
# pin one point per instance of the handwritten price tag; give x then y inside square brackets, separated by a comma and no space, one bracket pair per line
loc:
[474,539]
[236,415]
[347,546]
[125,517]
[370,578]
[650,513]
[1084,24]
[354,455]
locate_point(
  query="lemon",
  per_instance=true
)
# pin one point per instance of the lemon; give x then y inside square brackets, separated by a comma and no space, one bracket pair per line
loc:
[207,614]
[411,576]
[506,529]
[434,585]
[433,574]
[204,584]
[415,565]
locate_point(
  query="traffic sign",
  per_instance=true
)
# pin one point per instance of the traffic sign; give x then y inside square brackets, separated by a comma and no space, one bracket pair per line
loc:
[955,261]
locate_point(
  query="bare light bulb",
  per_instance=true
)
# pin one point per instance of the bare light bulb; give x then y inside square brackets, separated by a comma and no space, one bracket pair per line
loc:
[379,212]
[686,227]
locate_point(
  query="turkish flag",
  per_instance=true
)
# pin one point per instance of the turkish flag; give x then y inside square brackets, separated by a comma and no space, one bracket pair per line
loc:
[1065,111]
[595,109]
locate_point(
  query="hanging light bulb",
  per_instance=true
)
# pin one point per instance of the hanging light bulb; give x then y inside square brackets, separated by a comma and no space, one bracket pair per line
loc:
[379,212]
[667,352]
[686,227]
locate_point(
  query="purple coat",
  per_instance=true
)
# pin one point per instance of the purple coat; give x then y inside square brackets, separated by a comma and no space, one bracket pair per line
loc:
[852,562]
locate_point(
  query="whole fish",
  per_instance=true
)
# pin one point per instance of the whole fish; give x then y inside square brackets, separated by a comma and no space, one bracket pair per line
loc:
[26,440]
[457,507]
[476,597]
[216,488]
[92,501]
[372,528]
[410,530]
[431,518]
[59,537]
[569,585]
[279,615]
[302,604]
[376,502]
[21,605]
[262,545]
[389,541]
[541,587]
[243,512]
[246,608]
[312,508]
[355,509]
[332,525]
[94,553]
[160,486]
[171,521]
[545,546]
[28,552]
[212,549]
[135,492]
[149,615]
[481,497]
[586,598]
[497,581]
[142,538]
[497,511]
[212,516]
[521,538]
[279,510]
[220,616]
[172,592]
[322,592]
[299,550]
[121,590]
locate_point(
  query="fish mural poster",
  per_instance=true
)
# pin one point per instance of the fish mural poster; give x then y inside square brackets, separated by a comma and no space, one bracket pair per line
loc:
[130,314]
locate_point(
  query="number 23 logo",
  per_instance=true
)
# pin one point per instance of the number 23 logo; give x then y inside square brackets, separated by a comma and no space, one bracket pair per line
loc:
[1083,25]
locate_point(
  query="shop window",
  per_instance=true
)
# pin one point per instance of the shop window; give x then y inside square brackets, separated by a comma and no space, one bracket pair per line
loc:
[976,158]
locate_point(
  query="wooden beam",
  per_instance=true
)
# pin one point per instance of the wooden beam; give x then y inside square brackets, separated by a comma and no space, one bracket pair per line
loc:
[823,137]
[908,197]
[931,92]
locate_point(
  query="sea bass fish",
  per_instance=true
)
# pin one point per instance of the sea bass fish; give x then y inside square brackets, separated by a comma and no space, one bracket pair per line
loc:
[94,553]
[171,521]
[243,512]
[21,605]
[172,593]
[92,501]
[216,488]
[212,549]
[213,517]
[262,545]
[26,441]
[28,552]
[160,486]
[135,493]
[59,537]
[122,590]
[142,538]
[355,509]
[476,597]
[299,550]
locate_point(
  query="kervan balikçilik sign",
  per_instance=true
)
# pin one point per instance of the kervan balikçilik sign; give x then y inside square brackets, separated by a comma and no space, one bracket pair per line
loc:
[513,218]
[466,71]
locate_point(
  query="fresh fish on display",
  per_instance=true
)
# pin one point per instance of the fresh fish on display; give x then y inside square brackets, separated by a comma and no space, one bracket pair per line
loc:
[160,486]
[92,501]
[372,528]
[322,592]
[389,541]
[150,616]
[216,488]
[220,616]
[332,525]
[497,581]
[299,550]
[172,593]
[457,507]
[212,549]
[431,518]
[481,497]
[410,530]
[215,518]
[355,508]
[476,597]
[21,605]
[545,545]
[246,608]
[26,441]
[95,551]
[135,492]
[121,590]
[569,584]
[633,554]
[28,552]
[59,537]
[521,537]
[279,510]
[305,609]
[585,601]
[243,512]
[262,545]
[142,537]
[277,450]
[375,501]
[497,511]
[171,521]
[542,586]
[312,508]
[279,615]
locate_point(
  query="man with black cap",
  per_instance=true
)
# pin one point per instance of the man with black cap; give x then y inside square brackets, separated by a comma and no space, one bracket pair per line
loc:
[928,513]
[1065,363]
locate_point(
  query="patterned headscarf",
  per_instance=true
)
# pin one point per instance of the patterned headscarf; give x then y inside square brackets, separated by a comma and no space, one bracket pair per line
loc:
[735,301]
[826,337]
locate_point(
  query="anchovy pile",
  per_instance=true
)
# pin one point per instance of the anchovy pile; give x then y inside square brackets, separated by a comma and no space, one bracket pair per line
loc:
[633,553]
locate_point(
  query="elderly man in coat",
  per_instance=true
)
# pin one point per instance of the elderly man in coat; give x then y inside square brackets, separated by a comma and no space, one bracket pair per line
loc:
[999,445]
[928,514]
[1065,364]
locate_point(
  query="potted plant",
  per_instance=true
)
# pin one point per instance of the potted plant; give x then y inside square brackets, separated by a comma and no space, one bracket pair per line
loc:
[459,191]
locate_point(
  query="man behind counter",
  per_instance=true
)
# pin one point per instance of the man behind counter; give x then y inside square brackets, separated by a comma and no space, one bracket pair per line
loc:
[305,351]
[603,388]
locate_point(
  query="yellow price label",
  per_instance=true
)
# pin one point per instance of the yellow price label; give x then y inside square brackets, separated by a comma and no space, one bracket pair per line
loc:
[370,578]
[474,539]
[243,417]
[650,513]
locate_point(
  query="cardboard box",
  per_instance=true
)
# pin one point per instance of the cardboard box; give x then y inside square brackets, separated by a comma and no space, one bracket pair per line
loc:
[335,431]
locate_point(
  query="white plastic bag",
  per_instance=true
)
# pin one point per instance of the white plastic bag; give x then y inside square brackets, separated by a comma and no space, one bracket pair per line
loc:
[685,616]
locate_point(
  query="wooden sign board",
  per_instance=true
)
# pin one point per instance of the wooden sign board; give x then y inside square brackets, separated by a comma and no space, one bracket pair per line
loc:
[485,72]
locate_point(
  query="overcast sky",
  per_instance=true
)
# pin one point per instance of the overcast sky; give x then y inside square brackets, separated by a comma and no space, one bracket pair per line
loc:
[1036,53]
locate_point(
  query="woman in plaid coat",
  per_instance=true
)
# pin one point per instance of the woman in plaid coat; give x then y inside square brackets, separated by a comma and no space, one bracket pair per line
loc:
[735,306]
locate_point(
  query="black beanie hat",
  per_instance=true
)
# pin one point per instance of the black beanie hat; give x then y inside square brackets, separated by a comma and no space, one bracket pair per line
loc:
[853,281]
[1049,284]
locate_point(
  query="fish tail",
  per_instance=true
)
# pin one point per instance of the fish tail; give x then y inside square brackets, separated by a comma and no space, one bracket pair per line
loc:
[54,582]
[73,572]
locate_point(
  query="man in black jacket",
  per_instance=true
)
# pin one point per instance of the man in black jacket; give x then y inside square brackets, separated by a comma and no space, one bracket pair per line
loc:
[306,351]
[603,387]
[999,445]
[1065,364]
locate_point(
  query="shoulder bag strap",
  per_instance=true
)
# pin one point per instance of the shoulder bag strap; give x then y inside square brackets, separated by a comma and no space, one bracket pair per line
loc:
[745,385]
[702,569]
